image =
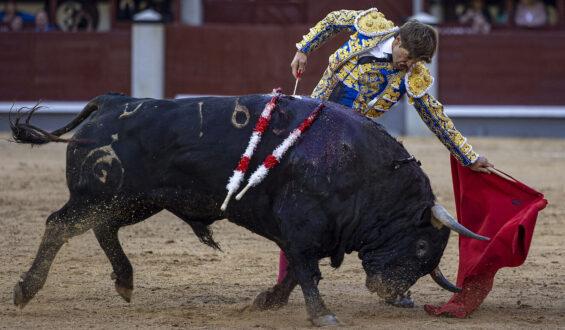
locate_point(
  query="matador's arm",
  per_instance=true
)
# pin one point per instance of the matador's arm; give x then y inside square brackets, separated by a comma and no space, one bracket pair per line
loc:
[326,29]
[431,112]
[418,82]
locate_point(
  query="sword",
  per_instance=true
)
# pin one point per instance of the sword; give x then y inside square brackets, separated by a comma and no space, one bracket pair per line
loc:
[297,79]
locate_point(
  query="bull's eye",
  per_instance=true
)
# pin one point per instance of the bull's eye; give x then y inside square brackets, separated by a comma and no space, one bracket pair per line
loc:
[421,248]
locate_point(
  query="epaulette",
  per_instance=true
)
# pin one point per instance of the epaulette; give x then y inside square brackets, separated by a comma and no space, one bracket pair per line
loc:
[372,23]
[418,80]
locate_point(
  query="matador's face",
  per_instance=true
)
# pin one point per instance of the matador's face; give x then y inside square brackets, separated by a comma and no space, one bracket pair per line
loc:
[401,56]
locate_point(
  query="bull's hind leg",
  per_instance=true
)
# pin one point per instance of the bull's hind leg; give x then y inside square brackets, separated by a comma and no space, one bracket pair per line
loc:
[122,270]
[69,221]
[107,235]
[278,295]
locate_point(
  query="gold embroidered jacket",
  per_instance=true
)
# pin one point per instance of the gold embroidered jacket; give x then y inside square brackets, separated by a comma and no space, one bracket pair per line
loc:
[373,87]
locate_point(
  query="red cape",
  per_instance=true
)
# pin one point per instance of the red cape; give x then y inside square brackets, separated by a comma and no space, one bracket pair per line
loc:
[503,209]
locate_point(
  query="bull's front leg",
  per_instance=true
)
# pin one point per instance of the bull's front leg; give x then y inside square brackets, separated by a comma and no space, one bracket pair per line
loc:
[60,227]
[308,275]
[278,295]
[122,270]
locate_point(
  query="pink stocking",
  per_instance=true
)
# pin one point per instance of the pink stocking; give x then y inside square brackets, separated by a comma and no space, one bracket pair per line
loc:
[283,264]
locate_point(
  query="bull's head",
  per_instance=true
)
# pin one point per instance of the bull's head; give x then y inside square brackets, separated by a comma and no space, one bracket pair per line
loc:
[416,255]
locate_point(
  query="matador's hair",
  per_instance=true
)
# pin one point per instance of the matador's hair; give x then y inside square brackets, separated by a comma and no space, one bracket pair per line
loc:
[419,39]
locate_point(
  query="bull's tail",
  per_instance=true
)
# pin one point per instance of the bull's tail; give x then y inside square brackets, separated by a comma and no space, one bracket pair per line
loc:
[24,132]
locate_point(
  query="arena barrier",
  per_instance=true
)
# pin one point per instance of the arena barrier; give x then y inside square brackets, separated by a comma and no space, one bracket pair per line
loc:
[471,120]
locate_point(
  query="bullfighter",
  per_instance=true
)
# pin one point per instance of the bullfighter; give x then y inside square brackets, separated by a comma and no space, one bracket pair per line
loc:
[372,71]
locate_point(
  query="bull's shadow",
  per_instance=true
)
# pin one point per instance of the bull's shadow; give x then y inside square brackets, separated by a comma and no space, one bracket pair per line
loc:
[346,185]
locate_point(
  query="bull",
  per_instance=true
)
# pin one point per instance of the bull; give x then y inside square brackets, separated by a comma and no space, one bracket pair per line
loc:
[346,186]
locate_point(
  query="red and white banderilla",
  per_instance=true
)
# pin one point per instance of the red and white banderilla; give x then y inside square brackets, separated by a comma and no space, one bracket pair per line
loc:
[260,127]
[273,159]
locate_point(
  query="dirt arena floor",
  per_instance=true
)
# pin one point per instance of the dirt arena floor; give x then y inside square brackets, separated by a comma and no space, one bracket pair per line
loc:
[181,283]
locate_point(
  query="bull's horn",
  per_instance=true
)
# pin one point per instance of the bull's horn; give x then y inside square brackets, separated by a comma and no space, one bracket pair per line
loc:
[443,282]
[441,214]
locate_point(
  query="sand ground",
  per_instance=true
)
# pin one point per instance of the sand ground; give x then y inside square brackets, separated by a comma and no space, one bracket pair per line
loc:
[181,283]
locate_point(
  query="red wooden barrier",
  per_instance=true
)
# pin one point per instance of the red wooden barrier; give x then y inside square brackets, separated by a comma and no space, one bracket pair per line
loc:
[517,67]
[235,60]
[63,66]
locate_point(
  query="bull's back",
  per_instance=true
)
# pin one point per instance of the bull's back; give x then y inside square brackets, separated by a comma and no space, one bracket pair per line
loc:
[345,148]
[143,145]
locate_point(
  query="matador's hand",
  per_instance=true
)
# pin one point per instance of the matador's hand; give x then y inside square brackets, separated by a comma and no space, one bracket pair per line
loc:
[298,63]
[482,165]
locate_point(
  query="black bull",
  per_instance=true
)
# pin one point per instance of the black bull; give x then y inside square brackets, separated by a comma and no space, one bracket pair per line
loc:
[336,191]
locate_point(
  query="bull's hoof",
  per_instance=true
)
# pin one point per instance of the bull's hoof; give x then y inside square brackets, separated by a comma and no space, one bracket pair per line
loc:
[326,321]
[260,301]
[265,301]
[402,302]
[19,298]
[123,291]
[268,300]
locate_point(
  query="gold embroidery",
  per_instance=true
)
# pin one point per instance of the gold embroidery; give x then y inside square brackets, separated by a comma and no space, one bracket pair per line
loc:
[383,104]
[418,80]
[431,112]
[372,23]
[371,77]
[324,30]
[325,86]
[396,81]
[391,95]
[374,113]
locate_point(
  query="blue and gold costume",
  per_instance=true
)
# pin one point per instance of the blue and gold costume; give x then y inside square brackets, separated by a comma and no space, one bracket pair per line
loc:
[372,87]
